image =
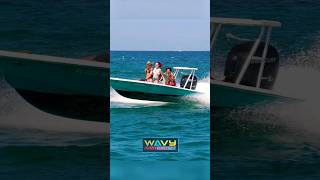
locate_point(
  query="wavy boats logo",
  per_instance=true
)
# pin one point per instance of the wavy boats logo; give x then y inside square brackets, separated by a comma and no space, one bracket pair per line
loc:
[160,144]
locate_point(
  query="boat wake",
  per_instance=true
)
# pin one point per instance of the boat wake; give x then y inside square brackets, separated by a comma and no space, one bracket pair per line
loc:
[300,81]
[298,78]
[204,98]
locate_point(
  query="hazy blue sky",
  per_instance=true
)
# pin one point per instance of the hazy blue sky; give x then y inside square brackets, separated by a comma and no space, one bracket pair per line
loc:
[160,25]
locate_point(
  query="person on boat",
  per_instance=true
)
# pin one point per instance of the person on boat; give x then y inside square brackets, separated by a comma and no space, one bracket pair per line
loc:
[169,77]
[157,73]
[149,71]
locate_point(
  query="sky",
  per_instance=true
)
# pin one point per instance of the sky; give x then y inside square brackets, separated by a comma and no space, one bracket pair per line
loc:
[160,25]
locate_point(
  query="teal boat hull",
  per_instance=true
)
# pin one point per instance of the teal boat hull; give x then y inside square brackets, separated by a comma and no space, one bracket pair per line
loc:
[62,86]
[149,91]
[229,95]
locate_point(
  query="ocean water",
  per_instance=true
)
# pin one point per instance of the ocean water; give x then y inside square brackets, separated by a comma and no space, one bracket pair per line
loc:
[277,141]
[34,144]
[132,120]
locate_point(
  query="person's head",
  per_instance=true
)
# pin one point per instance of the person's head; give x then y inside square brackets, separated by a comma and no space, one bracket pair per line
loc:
[168,70]
[158,65]
[149,64]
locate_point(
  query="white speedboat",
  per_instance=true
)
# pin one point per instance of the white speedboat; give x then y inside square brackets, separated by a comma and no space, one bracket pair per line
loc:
[250,68]
[74,88]
[150,91]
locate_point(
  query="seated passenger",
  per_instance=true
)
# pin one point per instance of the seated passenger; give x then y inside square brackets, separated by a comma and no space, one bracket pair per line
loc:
[157,73]
[170,80]
[148,71]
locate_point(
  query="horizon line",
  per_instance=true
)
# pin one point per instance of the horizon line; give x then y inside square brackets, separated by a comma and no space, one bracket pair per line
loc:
[164,50]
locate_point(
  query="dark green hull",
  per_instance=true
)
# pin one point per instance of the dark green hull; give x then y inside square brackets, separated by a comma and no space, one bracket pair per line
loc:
[66,87]
[229,95]
[149,91]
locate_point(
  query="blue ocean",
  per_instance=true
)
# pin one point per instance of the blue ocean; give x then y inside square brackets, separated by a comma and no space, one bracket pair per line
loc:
[273,141]
[132,120]
[34,144]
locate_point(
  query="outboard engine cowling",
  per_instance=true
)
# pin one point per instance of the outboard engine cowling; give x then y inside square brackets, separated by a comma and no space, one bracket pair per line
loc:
[236,58]
[184,81]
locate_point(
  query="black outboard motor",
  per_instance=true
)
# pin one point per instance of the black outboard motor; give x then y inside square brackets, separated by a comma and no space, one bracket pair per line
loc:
[237,57]
[184,81]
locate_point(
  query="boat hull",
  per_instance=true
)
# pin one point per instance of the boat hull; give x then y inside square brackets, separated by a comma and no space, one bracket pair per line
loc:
[227,95]
[44,81]
[149,91]
[149,96]
[89,108]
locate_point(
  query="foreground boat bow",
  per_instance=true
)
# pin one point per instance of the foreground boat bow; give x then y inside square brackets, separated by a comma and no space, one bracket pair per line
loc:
[66,87]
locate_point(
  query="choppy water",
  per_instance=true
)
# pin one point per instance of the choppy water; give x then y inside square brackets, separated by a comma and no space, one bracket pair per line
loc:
[34,144]
[275,141]
[132,120]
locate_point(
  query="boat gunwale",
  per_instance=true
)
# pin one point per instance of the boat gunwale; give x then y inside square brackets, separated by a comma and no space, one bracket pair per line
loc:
[53,59]
[252,89]
[244,22]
